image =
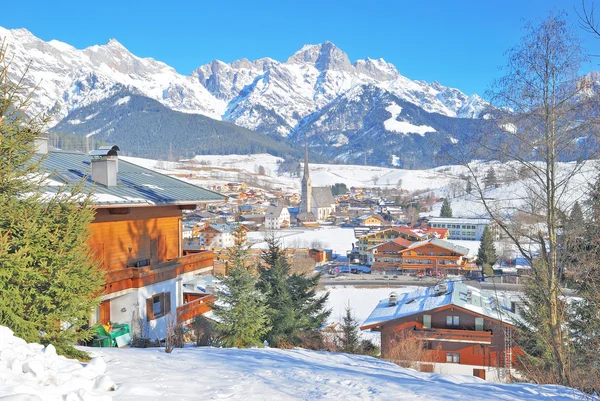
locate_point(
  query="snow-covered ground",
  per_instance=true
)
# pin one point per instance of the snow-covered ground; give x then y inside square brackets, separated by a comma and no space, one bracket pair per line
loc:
[32,372]
[337,238]
[266,374]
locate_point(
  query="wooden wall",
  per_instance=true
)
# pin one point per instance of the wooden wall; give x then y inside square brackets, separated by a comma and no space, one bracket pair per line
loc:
[134,234]
[470,354]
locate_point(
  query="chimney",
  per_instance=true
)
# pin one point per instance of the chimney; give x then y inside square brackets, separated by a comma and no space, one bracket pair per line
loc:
[41,145]
[105,165]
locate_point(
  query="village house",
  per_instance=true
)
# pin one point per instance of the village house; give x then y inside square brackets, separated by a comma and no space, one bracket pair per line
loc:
[136,236]
[368,241]
[277,217]
[463,229]
[216,236]
[371,220]
[432,256]
[461,329]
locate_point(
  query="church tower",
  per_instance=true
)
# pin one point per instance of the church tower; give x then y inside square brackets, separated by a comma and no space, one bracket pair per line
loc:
[306,186]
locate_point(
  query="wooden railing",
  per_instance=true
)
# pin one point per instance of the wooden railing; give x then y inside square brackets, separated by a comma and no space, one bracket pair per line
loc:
[455,335]
[131,277]
[195,308]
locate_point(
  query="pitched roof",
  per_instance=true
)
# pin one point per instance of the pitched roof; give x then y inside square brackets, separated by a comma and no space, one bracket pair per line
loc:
[274,211]
[442,244]
[488,303]
[136,185]
[400,241]
[222,228]
[322,196]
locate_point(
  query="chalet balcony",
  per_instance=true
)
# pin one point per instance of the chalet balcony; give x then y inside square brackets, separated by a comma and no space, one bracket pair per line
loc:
[455,335]
[194,308]
[137,277]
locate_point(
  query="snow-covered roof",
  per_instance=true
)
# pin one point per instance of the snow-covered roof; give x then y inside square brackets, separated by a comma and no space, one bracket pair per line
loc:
[442,244]
[453,220]
[135,185]
[482,302]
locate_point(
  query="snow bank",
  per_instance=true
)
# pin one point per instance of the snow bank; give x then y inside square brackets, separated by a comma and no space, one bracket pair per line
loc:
[32,372]
[273,374]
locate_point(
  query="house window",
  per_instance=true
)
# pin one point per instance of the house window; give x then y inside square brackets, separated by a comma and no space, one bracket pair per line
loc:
[427,321]
[456,357]
[452,320]
[158,305]
[479,323]
[449,357]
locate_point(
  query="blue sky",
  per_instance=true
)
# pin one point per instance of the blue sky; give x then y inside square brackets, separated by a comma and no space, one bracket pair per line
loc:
[457,43]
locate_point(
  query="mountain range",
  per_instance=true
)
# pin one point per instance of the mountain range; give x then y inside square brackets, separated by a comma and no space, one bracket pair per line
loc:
[344,110]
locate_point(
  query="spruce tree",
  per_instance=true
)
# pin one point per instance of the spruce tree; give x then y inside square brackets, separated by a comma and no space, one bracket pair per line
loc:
[446,210]
[349,337]
[490,178]
[295,308]
[48,279]
[486,256]
[469,188]
[240,309]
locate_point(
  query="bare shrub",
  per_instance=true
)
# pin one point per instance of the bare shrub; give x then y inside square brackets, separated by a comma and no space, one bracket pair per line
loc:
[204,331]
[408,350]
[174,338]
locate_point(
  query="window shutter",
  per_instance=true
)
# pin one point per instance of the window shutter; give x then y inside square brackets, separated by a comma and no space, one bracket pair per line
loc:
[149,309]
[167,300]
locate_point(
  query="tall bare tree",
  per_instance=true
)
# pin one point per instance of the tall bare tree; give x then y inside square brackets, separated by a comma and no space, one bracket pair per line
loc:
[543,113]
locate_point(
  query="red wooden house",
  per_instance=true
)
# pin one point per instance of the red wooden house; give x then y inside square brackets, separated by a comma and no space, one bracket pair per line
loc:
[464,330]
[137,237]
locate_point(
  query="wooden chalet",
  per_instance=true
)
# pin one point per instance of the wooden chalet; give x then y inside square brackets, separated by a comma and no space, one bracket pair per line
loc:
[136,236]
[368,241]
[432,256]
[463,329]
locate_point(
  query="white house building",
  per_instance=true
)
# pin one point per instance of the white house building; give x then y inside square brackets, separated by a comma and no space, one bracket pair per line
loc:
[462,228]
[277,217]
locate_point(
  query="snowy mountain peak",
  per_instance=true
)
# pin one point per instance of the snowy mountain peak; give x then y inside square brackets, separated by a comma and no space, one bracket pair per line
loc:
[114,43]
[324,56]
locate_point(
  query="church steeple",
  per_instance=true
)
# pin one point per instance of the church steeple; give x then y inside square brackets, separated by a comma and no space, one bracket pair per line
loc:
[306,185]
[306,171]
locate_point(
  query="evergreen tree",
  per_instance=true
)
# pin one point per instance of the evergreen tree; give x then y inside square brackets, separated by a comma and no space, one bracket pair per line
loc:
[48,279]
[446,209]
[294,305]
[490,178]
[469,188]
[349,336]
[575,224]
[241,310]
[486,256]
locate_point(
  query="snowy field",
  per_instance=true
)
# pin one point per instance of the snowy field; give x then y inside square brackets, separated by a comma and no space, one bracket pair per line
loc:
[337,238]
[30,372]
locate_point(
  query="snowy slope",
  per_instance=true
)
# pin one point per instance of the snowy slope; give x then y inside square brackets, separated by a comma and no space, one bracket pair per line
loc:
[273,374]
[217,169]
[71,78]
[32,372]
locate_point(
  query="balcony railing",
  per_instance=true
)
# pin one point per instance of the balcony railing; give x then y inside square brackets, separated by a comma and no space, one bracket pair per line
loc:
[133,277]
[455,335]
[195,308]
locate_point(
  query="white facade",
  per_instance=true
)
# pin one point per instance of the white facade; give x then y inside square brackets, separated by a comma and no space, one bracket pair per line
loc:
[129,306]
[492,374]
[462,229]
[275,222]
[322,212]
